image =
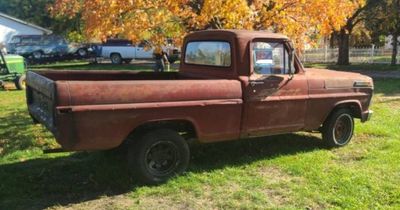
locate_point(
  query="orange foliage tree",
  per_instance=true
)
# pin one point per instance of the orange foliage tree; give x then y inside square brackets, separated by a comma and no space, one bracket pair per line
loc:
[153,20]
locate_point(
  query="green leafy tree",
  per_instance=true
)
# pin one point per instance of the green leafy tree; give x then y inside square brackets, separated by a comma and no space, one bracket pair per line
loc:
[358,16]
[386,22]
[392,24]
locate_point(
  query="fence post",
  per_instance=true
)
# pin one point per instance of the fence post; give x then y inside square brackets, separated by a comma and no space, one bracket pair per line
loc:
[326,53]
[372,53]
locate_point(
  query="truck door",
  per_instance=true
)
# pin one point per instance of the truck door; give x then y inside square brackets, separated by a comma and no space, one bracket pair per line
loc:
[275,99]
[142,52]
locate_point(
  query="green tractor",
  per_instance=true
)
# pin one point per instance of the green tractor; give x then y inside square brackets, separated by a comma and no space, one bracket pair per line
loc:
[12,69]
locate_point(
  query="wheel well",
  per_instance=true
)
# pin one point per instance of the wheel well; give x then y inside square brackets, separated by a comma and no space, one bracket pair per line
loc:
[41,51]
[353,106]
[185,128]
[115,53]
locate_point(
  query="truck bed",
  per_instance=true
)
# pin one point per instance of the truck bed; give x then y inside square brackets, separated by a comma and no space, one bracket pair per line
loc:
[73,103]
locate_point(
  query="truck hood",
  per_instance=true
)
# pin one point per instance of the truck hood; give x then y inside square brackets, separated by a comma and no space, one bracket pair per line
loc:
[337,79]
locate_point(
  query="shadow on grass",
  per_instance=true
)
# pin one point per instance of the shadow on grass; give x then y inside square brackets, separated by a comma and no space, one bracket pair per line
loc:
[355,67]
[18,133]
[387,87]
[82,176]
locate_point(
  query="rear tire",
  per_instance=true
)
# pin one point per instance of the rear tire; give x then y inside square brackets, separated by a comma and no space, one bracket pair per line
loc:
[338,129]
[20,82]
[158,155]
[116,58]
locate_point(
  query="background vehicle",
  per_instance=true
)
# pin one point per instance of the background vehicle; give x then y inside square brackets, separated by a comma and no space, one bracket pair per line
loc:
[45,47]
[220,93]
[122,50]
[12,69]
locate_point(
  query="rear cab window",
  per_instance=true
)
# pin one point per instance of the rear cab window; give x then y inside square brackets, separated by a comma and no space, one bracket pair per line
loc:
[209,53]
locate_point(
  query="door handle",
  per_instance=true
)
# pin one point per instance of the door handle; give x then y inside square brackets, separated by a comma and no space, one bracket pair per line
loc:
[256,82]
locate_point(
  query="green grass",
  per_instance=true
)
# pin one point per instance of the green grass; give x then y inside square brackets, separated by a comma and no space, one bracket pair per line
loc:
[293,171]
[356,67]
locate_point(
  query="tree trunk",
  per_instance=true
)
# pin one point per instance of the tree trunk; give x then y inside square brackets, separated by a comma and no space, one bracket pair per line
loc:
[344,38]
[395,47]
[332,39]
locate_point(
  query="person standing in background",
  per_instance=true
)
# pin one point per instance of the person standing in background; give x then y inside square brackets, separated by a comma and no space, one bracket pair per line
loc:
[161,59]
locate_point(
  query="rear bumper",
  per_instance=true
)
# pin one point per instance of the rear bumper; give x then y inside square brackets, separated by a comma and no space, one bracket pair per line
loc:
[366,116]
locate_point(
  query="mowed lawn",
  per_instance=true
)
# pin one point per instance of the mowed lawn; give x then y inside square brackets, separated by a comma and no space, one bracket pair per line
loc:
[286,171]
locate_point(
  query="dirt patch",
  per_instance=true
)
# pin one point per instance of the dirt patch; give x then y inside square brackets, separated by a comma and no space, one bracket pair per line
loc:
[277,184]
[271,189]
[103,203]
[391,101]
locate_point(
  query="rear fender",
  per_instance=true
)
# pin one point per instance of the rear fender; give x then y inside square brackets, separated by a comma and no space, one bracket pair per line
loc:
[179,125]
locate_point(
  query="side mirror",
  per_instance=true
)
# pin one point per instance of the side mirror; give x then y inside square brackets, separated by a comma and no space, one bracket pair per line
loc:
[291,56]
[291,62]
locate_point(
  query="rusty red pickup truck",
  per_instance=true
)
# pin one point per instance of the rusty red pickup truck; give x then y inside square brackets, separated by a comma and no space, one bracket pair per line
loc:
[232,84]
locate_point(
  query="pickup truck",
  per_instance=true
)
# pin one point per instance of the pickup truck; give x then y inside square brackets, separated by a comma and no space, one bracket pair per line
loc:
[232,84]
[122,50]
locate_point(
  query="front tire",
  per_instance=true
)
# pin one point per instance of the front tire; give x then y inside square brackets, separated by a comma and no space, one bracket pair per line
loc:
[82,53]
[338,129]
[37,55]
[158,155]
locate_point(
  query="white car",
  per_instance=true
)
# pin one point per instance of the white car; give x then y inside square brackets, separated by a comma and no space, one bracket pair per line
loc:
[121,50]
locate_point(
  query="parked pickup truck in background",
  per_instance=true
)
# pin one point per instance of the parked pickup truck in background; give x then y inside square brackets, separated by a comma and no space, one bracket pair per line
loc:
[37,48]
[122,50]
[232,84]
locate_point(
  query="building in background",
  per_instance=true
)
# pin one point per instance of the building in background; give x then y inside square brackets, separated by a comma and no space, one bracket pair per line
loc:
[10,26]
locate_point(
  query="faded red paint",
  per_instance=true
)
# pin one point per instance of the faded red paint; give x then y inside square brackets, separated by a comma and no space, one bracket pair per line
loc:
[94,110]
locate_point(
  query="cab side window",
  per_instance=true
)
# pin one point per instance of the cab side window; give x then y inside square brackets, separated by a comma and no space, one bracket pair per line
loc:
[270,58]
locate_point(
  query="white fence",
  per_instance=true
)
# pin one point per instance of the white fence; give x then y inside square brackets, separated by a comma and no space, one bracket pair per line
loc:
[356,55]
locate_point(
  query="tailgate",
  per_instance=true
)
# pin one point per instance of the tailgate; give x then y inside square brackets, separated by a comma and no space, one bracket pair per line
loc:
[40,93]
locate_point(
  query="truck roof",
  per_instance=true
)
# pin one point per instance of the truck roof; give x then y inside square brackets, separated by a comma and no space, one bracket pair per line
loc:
[234,33]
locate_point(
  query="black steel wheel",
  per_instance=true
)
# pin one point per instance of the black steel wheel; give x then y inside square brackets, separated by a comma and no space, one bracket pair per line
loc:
[338,129]
[158,155]
[161,158]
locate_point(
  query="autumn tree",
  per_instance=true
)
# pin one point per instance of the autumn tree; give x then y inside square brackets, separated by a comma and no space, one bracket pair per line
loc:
[303,20]
[153,20]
